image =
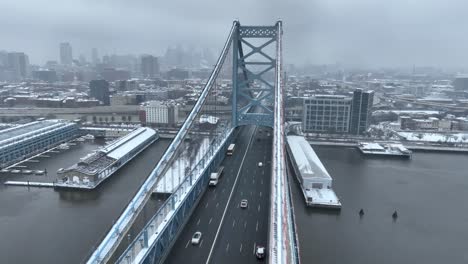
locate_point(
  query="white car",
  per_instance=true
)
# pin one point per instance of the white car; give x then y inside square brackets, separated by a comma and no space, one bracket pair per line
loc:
[260,252]
[196,238]
[244,203]
[260,164]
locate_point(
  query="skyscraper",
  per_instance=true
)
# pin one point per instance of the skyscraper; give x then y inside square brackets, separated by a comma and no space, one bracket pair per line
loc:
[99,89]
[95,56]
[149,66]
[361,111]
[18,62]
[66,54]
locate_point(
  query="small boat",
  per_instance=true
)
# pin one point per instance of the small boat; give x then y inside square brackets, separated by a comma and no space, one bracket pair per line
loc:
[5,171]
[27,171]
[38,172]
[80,139]
[15,171]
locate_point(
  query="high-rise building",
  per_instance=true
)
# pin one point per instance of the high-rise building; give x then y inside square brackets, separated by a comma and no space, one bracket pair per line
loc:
[361,111]
[18,62]
[326,114]
[149,66]
[66,53]
[461,83]
[95,56]
[99,89]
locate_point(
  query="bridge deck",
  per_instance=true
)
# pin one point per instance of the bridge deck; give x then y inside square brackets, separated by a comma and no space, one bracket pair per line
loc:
[240,229]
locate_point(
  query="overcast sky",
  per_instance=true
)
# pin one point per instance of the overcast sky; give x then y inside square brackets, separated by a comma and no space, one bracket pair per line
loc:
[352,32]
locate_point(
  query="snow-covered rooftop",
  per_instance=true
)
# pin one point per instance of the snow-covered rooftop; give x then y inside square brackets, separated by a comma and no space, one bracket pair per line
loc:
[125,144]
[371,146]
[307,161]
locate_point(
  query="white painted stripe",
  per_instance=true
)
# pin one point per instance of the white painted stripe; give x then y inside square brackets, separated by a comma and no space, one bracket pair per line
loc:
[229,199]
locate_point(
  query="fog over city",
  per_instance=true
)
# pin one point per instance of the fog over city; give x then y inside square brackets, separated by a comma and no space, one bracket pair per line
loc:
[359,33]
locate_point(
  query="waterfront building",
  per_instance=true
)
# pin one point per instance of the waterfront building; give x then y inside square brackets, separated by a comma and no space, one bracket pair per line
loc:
[99,89]
[361,111]
[97,166]
[23,141]
[315,181]
[326,114]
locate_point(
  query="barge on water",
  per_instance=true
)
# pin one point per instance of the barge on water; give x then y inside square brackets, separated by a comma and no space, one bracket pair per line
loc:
[101,164]
[384,149]
[316,183]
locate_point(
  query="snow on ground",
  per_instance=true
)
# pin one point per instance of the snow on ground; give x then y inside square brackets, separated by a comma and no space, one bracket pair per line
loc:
[435,137]
[177,172]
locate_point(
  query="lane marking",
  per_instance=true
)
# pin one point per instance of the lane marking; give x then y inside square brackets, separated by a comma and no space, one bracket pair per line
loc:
[251,193]
[260,194]
[188,242]
[206,206]
[198,221]
[255,246]
[233,223]
[230,196]
[240,250]
[256,228]
[201,243]
[245,224]
[259,208]
[253,181]
[217,204]
[211,218]
[261,181]
[227,247]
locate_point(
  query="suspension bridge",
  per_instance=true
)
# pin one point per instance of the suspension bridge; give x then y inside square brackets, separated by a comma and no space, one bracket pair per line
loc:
[249,73]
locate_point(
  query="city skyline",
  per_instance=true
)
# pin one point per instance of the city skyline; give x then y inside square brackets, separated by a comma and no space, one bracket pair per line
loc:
[361,33]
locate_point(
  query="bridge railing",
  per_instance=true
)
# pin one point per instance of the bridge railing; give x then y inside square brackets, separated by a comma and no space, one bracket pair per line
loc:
[282,238]
[140,247]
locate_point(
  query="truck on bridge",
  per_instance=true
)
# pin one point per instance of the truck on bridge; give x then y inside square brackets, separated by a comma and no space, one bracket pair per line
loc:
[214,177]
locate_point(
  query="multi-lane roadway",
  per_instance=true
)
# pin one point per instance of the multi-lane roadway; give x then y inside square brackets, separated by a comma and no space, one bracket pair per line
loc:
[230,233]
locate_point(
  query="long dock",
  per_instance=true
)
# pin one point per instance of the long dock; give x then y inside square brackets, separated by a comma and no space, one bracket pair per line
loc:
[30,184]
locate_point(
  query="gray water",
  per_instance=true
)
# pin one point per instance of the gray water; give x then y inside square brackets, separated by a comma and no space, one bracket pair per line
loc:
[43,225]
[429,192]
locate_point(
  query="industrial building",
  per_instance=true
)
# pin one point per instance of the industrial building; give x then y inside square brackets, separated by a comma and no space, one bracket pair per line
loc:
[23,141]
[97,166]
[159,112]
[316,183]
